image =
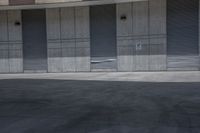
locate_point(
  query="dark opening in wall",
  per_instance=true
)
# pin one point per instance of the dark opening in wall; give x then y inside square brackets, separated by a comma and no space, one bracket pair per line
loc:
[183,27]
[183,34]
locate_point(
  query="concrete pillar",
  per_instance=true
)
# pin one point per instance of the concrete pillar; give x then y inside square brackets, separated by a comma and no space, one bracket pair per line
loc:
[199,34]
[140,35]
[125,49]
[157,31]
[82,28]
[4,44]
[68,39]
[54,40]
[68,36]
[132,36]
[15,41]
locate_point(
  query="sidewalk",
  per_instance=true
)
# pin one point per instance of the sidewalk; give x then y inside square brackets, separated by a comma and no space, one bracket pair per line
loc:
[193,76]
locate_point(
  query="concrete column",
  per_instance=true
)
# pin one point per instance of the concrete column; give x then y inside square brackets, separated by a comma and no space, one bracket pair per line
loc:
[140,35]
[15,41]
[199,34]
[54,40]
[125,49]
[4,49]
[158,40]
[82,29]
[132,36]
[68,39]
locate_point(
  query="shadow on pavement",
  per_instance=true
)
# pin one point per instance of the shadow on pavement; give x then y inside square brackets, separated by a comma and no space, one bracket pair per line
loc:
[64,106]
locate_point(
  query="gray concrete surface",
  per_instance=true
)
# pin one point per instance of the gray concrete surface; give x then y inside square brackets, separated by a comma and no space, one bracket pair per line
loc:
[73,103]
[173,76]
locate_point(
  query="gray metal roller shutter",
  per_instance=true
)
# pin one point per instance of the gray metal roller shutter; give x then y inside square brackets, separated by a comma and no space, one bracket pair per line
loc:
[103,37]
[34,40]
[183,34]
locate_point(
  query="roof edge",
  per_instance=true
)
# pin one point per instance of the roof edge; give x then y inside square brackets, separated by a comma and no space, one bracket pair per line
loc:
[66,4]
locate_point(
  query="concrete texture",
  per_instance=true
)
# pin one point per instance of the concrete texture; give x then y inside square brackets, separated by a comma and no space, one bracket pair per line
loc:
[100,103]
[10,42]
[141,39]
[176,76]
[68,51]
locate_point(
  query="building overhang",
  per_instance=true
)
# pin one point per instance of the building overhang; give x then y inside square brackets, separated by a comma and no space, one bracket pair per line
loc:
[73,3]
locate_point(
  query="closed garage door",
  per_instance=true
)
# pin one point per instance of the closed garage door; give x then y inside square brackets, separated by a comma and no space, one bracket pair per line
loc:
[183,34]
[34,40]
[103,38]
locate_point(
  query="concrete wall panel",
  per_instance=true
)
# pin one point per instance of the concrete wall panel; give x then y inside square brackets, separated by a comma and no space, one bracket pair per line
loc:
[140,35]
[158,12]
[3,26]
[53,23]
[68,59]
[125,48]
[158,57]
[15,61]
[71,43]
[125,51]
[15,41]
[54,60]
[158,41]
[82,22]
[82,56]
[11,35]
[135,36]
[82,26]
[68,39]
[82,59]
[68,56]
[142,54]
[199,37]
[124,27]
[4,44]
[53,40]
[67,23]
[140,18]
[4,62]
[15,31]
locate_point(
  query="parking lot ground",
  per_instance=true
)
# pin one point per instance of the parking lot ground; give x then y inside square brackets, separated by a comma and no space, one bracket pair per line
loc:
[163,102]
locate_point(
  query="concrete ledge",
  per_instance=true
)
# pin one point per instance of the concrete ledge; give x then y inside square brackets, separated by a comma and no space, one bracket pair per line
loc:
[54,1]
[66,4]
[192,76]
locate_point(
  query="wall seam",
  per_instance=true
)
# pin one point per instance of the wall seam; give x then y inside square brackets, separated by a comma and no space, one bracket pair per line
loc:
[60,38]
[47,41]
[199,35]
[89,26]
[75,39]
[8,40]
[149,45]
[132,38]
[166,47]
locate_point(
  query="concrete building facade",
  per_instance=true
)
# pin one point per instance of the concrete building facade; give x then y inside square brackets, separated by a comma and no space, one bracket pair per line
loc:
[112,35]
